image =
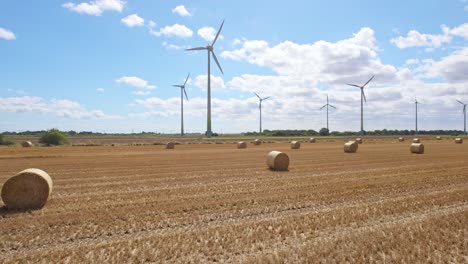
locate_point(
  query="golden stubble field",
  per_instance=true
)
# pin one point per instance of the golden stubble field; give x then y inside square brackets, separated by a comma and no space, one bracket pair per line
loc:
[215,203]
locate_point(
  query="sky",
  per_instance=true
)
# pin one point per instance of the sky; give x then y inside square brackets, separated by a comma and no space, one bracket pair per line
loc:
[109,65]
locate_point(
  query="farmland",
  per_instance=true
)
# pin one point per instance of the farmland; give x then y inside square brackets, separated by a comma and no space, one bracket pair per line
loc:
[216,203]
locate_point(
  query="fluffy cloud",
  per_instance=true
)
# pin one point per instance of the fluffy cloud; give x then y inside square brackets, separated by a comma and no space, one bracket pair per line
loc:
[208,33]
[175,30]
[6,34]
[133,20]
[136,82]
[141,92]
[452,68]
[460,31]
[60,108]
[100,90]
[181,11]
[97,7]
[201,81]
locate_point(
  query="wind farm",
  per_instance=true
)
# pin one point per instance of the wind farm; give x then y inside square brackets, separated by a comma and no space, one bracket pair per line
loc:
[274,158]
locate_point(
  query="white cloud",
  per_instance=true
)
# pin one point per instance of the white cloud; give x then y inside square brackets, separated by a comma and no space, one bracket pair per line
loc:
[175,30]
[141,92]
[416,39]
[460,31]
[201,81]
[171,46]
[181,11]
[97,7]
[208,33]
[136,82]
[151,24]
[60,108]
[133,20]
[453,67]
[6,34]
[100,90]
[412,61]
[236,42]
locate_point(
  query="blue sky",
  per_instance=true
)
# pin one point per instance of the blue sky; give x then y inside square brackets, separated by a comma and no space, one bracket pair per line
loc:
[108,65]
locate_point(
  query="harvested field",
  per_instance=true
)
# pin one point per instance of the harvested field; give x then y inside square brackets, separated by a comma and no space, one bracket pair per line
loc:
[206,203]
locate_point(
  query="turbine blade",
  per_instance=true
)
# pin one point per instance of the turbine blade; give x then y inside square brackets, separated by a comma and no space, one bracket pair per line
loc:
[369,80]
[175,85]
[217,34]
[322,107]
[185,92]
[266,98]
[197,48]
[332,106]
[354,85]
[186,79]
[460,102]
[217,62]
[258,96]
[364,96]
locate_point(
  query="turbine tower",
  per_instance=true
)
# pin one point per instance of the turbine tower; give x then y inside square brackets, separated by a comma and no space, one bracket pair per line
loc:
[416,104]
[327,105]
[210,51]
[363,97]
[260,107]
[182,92]
[464,115]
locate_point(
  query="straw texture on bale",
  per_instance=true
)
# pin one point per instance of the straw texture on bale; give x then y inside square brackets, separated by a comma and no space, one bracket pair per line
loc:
[295,145]
[312,140]
[417,148]
[459,140]
[359,140]
[278,161]
[438,138]
[170,145]
[257,142]
[401,139]
[241,145]
[351,147]
[416,140]
[26,144]
[28,189]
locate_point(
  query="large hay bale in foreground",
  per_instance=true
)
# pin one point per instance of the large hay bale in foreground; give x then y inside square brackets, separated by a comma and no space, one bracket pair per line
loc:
[401,139]
[359,140]
[278,161]
[257,142]
[312,140]
[170,145]
[438,138]
[28,189]
[351,147]
[416,140]
[459,140]
[26,144]
[295,145]
[241,145]
[417,148]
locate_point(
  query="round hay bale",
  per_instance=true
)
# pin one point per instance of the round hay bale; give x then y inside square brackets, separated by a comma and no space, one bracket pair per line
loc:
[277,160]
[459,140]
[359,140]
[257,142]
[417,148]
[351,147]
[416,140]
[28,189]
[438,138]
[312,140]
[295,145]
[401,139]
[170,145]
[241,145]
[26,144]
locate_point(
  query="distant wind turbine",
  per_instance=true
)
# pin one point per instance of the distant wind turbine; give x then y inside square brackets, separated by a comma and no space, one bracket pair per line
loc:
[209,48]
[464,115]
[260,107]
[416,104]
[327,105]
[182,92]
[363,97]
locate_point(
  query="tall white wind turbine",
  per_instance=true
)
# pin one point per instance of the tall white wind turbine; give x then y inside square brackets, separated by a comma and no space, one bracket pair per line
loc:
[327,105]
[363,98]
[182,92]
[260,107]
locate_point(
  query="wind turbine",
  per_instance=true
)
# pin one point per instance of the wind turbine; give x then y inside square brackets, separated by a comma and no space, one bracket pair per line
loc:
[416,103]
[327,105]
[464,115]
[260,107]
[209,48]
[363,97]
[182,92]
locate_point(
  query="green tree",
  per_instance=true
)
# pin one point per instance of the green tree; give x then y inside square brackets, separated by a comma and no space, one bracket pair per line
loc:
[54,137]
[324,132]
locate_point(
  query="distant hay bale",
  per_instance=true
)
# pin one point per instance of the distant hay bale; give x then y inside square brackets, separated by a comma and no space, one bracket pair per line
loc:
[416,140]
[359,140]
[438,138]
[312,140]
[401,139]
[295,145]
[241,145]
[170,145]
[417,148]
[459,140]
[28,189]
[351,147]
[257,142]
[278,161]
[26,144]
